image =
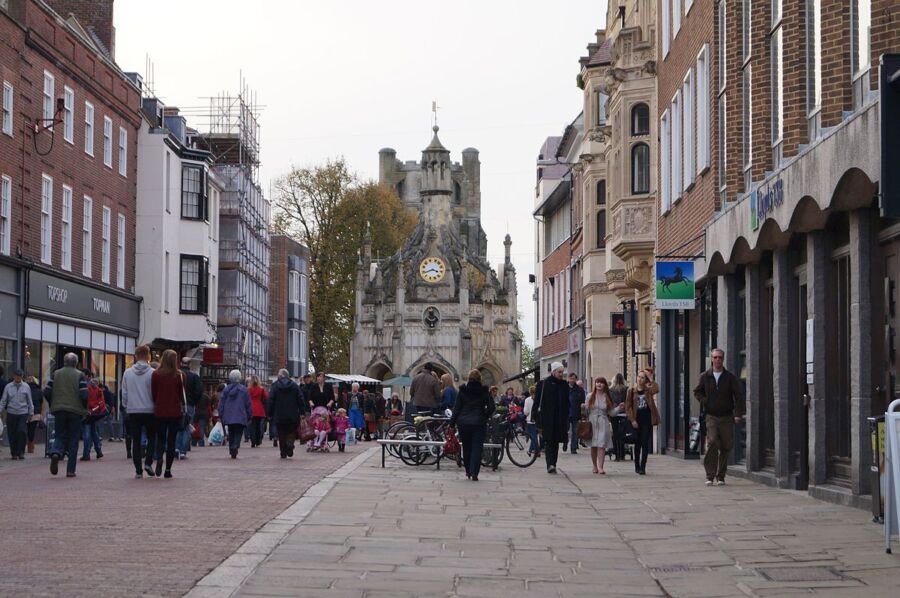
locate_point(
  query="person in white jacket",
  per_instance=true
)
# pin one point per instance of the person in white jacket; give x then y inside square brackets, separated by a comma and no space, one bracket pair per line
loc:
[137,402]
[529,422]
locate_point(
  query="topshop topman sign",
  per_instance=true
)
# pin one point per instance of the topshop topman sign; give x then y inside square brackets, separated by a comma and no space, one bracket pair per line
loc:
[764,200]
[63,297]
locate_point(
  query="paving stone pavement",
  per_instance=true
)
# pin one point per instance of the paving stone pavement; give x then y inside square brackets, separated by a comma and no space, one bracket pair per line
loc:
[105,533]
[405,531]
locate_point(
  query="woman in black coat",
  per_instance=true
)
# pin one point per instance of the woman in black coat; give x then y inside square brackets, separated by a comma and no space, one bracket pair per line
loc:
[471,411]
[285,408]
[321,394]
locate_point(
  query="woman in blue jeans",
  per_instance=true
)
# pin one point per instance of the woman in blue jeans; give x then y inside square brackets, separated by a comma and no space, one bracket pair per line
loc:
[473,406]
[235,410]
[530,426]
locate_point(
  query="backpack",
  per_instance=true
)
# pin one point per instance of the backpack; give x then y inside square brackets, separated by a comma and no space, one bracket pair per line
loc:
[96,402]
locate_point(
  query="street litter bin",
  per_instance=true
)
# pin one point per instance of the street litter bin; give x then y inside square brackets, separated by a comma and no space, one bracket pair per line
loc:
[877,469]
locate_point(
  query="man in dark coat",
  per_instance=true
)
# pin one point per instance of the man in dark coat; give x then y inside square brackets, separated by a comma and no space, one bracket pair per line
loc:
[286,405]
[552,407]
[576,402]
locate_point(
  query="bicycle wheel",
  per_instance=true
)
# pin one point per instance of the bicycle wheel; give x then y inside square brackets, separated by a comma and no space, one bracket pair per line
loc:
[430,430]
[517,444]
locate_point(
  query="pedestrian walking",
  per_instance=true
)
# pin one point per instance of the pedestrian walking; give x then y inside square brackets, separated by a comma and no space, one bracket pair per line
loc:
[67,392]
[599,407]
[355,404]
[258,398]
[370,414]
[286,405]
[193,391]
[168,388]
[425,390]
[15,399]
[97,410]
[552,406]
[321,393]
[473,406]
[618,391]
[201,419]
[137,402]
[37,402]
[640,407]
[448,393]
[235,410]
[341,425]
[720,393]
[530,425]
[576,403]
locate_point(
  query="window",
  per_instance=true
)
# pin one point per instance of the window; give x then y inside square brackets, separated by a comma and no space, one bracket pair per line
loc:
[49,92]
[602,99]
[745,30]
[293,286]
[302,345]
[120,253]
[861,19]
[676,17]
[687,129]
[813,55]
[687,5]
[677,147]
[640,120]
[168,181]
[293,344]
[66,236]
[703,99]
[193,284]
[89,128]
[193,193]
[640,169]
[601,192]
[166,279]
[5,216]
[601,229]
[105,245]
[7,125]
[86,230]
[666,6]
[68,115]
[46,218]
[721,43]
[107,141]
[665,199]
[303,291]
[123,151]
[723,149]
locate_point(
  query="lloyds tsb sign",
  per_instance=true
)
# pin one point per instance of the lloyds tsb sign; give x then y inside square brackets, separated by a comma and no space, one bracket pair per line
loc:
[764,200]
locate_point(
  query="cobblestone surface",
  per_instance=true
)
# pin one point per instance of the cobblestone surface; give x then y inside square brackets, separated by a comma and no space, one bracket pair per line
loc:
[405,531]
[105,533]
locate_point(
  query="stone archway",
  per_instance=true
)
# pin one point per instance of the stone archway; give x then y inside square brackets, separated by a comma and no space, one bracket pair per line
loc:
[379,371]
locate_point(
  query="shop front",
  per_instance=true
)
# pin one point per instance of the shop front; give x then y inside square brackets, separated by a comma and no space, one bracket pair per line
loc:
[9,318]
[64,316]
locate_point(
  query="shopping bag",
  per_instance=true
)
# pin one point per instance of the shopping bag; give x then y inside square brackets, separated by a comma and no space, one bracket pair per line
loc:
[196,433]
[305,432]
[584,430]
[451,444]
[350,436]
[217,436]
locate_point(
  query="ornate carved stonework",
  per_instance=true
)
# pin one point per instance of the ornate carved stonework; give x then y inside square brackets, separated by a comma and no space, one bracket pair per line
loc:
[649,67]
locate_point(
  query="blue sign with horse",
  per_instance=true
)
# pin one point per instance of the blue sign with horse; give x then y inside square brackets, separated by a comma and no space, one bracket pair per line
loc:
[674,285]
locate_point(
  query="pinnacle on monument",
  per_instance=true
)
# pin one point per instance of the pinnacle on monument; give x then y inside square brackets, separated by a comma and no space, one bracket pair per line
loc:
[436,145]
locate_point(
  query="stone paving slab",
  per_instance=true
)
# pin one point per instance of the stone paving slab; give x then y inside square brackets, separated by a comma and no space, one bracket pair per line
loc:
[403,531]
[105,533]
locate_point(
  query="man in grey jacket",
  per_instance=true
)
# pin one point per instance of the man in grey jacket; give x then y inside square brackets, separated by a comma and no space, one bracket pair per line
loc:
[16,401]
[137,401]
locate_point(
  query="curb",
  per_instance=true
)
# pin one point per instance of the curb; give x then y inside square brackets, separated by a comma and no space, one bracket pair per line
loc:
[230,574]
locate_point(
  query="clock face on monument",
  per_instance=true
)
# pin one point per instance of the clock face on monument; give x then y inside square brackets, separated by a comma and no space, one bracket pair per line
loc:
[432,269]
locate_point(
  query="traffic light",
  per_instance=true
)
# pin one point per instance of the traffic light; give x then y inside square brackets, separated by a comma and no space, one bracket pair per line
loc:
[617,323]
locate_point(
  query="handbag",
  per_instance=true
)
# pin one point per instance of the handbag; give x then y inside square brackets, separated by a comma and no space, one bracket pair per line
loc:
[451,444]
[632,434]
[185,418]
[305,432]
[584,429]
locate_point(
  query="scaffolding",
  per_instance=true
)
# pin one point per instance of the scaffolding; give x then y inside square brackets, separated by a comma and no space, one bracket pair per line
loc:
[232,138]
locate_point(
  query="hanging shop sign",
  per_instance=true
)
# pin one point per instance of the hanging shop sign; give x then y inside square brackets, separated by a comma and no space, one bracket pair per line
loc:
[675,287]
[764,200]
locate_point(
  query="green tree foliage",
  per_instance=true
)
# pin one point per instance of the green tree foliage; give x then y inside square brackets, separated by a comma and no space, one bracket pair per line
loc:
[328,209]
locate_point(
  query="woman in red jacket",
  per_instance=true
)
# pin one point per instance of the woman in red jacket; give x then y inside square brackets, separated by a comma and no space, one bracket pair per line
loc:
[258,398]
[167,388]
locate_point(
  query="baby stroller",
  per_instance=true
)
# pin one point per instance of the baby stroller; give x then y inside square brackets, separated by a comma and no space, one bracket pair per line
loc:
[317,445]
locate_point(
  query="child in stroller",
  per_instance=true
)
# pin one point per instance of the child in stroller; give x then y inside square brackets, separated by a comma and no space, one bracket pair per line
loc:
[322,426]
[341,425]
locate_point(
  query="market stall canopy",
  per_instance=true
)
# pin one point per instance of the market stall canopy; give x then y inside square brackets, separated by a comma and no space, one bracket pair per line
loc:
[398,381]
[350,379]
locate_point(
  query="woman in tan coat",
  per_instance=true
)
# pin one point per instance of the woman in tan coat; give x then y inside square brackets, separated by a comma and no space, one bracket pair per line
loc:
[640,407]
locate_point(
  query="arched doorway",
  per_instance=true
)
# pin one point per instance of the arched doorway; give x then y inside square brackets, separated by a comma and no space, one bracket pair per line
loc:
[379,371]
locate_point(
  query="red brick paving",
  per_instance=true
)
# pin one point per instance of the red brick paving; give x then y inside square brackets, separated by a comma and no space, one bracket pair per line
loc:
[105,533]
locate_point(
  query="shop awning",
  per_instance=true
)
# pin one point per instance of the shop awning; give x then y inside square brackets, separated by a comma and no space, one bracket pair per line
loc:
[350,379]
[398,381]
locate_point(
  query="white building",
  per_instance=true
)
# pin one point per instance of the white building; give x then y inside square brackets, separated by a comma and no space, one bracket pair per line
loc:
[177,256]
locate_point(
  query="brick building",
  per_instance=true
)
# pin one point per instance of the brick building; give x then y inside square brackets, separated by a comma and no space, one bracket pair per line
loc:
[769,169]
[289,306]
[68,159]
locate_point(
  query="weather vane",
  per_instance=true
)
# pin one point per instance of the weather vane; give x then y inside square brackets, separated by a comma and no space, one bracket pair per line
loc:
[434,109]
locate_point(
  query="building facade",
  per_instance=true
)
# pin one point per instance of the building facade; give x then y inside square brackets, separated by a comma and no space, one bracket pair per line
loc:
[437,301]
[795,266]
[289,306]
[177,261]
[68,160]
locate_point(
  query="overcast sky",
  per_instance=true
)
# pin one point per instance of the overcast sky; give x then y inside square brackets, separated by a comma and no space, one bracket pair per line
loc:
[350,77]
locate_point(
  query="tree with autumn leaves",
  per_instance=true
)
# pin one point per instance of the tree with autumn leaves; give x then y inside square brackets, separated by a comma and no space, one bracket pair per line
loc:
[327,209]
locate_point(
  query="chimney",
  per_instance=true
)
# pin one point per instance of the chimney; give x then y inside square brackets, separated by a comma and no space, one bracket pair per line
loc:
[96,16]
